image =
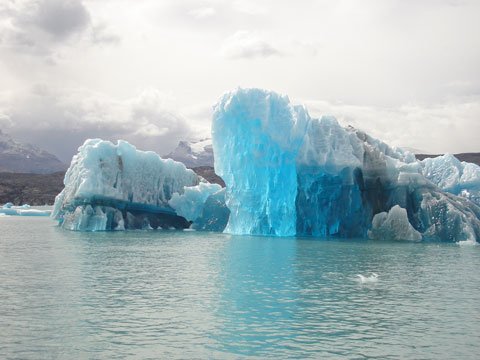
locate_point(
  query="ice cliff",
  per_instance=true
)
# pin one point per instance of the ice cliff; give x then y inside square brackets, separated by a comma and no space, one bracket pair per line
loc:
[287,174]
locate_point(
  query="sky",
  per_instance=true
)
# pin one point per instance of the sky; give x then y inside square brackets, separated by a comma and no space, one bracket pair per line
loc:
[150,72]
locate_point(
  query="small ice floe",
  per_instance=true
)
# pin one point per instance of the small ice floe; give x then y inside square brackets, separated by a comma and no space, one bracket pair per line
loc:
[469,242]
[24,210]
[373,278]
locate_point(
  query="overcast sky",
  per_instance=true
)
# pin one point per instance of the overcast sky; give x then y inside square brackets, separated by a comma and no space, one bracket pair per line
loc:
[150,71]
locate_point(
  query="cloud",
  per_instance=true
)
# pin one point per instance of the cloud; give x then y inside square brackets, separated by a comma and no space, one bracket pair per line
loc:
[451,126]
[248,45]
[59,18]
[204,12]
[59,120]
[102,35]
[40,27]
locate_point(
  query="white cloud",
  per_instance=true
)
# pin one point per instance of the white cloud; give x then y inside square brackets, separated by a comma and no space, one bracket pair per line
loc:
[451,126]
[102,35]
[248,45]
[249,7]
[204,12]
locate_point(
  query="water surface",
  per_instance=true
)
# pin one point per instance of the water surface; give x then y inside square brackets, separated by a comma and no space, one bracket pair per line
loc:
[153,294]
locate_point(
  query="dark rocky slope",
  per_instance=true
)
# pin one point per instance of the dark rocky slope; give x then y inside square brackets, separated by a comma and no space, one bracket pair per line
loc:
[41,189]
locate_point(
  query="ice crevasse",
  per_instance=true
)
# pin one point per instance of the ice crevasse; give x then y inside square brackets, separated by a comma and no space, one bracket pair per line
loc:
[288,174]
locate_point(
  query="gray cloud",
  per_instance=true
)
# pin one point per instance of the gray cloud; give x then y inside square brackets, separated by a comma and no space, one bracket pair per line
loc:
[60,120]
[40,27]
[60,18]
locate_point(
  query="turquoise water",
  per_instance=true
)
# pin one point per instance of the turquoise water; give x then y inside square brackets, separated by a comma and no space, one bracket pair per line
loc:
[151,294]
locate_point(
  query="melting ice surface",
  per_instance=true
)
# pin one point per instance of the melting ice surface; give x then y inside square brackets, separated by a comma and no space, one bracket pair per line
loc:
[287,173]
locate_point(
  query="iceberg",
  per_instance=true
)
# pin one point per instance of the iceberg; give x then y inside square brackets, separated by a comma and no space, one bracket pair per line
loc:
[9,209]
[288,174]
[115,187]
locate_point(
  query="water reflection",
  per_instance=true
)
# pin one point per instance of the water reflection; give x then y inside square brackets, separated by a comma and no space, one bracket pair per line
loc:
[152,294]
[258,294]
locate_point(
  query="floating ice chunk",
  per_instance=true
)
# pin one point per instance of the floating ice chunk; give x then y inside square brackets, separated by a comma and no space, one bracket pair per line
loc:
[24,210]
[373,278]
[33,212]
[470,242]
[393,225]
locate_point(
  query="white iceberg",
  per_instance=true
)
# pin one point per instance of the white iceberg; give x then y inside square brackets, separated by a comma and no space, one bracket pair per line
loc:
[115,186]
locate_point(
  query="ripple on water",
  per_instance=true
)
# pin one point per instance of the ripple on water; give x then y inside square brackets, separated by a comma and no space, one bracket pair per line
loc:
[198,295]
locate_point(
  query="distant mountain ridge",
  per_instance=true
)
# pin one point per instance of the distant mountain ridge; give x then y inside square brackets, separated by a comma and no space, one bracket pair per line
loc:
[193,153]
[16,157]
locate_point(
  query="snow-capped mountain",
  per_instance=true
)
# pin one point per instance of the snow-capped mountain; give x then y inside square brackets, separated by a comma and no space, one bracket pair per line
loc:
[193,153]
[26,158]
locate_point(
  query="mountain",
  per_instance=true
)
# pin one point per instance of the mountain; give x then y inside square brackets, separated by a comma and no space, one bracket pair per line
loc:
[193,153]
[25,158]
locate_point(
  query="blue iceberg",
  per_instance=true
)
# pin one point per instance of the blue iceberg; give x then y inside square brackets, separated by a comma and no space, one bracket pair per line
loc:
[287,174]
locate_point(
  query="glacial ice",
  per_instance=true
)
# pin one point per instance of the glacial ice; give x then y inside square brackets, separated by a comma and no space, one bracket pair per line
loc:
[454,176]
[286,174]
[289,174]
[115,186]
[393,225]
[203,205]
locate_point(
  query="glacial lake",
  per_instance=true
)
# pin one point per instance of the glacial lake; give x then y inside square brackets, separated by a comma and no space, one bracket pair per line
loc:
[154,294]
